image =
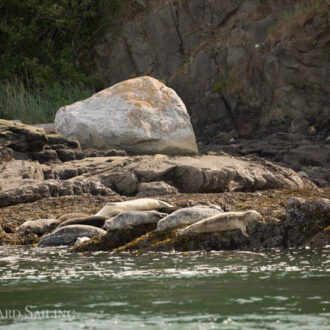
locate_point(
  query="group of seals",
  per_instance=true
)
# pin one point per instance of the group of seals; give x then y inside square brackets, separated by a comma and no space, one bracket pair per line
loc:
[125,216]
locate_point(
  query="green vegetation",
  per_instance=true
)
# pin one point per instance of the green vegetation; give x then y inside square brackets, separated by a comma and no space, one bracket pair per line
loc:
[48,40]
[230,84]
[220,85]
[38,105]
[46,54]
[298,12]
[186,63]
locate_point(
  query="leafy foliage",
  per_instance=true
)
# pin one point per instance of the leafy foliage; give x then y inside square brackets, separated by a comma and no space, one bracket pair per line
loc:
[46,54]
[44,41]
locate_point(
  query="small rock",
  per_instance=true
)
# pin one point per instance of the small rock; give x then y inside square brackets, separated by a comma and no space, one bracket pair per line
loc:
[66,155]
[303,174]
[311,130]
[155,188]
[45,156]
[115,152]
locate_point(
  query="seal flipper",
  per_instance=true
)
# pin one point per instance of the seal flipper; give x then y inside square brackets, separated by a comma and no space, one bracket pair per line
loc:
[242,227]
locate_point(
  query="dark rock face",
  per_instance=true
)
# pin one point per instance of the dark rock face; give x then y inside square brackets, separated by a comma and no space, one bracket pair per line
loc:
[320,240]
[305,219]
[236,68]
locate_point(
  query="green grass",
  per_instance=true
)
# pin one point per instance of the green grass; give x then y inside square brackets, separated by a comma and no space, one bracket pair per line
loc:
[230,84]
[38,105]
[220,85]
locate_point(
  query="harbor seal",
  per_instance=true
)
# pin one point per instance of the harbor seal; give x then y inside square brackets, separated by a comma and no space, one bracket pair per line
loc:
[73,215]
[142,204]
[81,240]
[131,219]
[187,216]
[222,222]
[39,226]
[92,220]
[68,235]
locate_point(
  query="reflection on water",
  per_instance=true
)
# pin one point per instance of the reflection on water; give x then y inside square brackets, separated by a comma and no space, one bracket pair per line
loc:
[228,290]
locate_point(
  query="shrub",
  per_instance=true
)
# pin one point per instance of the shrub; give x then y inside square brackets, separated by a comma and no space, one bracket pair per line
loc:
[51,40]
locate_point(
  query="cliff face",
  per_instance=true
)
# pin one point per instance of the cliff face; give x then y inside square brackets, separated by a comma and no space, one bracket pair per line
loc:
[241,66]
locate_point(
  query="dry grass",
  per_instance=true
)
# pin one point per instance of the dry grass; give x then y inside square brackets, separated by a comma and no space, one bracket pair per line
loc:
[295,19]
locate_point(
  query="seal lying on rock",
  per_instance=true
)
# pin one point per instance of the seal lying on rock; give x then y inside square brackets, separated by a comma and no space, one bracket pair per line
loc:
[143,204]
[187,216]
[131,219]
[92,220]
[222,222]
[68,235]
[81,240]
[68,216]
[39,226]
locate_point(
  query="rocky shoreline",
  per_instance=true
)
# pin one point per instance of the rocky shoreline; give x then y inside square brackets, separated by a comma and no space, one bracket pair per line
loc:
[46,176]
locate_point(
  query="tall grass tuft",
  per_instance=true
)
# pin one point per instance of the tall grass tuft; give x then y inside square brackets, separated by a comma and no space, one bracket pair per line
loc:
[38,105]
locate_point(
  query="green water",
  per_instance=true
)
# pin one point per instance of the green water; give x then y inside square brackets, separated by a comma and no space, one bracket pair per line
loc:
[52,289]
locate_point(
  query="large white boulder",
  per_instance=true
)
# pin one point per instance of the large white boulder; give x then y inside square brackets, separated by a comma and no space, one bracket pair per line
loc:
[139,115]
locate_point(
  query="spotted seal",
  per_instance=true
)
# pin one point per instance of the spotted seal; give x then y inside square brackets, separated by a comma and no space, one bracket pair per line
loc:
[142,204]
[222,222]
[73,215]
[187,216]
[81,240]
[92,220]
[39,226]
[131,219]
[68,235]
